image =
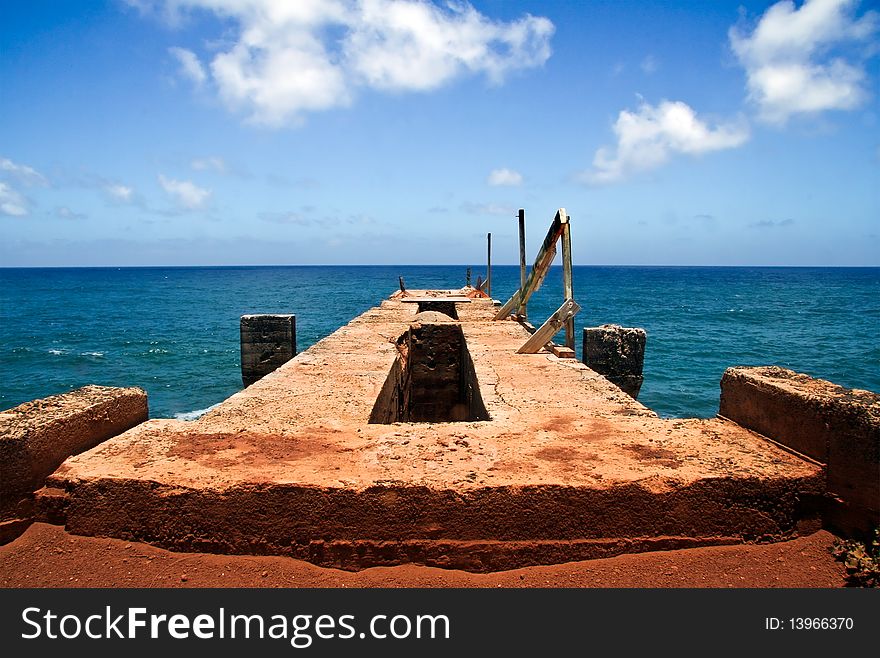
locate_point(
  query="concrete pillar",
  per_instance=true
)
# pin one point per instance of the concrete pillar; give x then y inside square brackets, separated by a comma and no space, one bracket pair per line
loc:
[837,426]
[267,342]
[618,354]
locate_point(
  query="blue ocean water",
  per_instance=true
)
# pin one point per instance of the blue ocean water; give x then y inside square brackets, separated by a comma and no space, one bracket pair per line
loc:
[175,331]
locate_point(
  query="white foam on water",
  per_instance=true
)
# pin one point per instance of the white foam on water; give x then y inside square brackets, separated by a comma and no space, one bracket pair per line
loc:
[194,415]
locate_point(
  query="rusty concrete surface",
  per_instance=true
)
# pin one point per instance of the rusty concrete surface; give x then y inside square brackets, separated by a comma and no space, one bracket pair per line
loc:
[837,426]
[568,467]
[37,436]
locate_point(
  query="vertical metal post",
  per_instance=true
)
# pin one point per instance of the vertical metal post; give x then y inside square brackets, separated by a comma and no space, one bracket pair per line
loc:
[567,277]
[522,263]
[489,265]
[468,277]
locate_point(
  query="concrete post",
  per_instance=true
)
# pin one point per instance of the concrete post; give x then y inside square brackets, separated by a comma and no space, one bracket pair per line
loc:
[267,342]
[618,354]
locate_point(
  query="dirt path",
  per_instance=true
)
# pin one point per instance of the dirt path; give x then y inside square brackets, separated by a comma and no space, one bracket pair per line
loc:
[46,556]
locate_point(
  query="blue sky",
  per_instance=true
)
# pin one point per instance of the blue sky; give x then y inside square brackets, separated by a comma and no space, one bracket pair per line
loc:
[396,131]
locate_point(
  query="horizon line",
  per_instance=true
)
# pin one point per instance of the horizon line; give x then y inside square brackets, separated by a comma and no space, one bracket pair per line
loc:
[464,265]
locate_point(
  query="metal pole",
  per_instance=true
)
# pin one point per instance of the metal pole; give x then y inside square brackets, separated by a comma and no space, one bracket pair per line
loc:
[489,265]
[522,262]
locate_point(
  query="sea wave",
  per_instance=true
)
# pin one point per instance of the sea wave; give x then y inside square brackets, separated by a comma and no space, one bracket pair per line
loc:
[194,415]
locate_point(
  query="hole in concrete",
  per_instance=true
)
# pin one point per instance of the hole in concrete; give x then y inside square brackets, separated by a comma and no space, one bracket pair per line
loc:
[445,307]
[432,380]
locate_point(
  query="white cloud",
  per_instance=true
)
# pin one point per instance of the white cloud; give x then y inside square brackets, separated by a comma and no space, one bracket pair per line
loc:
[649,65]
[22,173]
[11,202]
[209,164]
[12,176]
[66,213]
[187,194]
[290,58]
[402,44]
[793,58]
[650,137]
[505,177]
[119,192]
[189,65]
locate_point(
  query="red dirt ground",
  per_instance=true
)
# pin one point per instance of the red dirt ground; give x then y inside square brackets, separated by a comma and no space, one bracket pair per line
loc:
[47,556]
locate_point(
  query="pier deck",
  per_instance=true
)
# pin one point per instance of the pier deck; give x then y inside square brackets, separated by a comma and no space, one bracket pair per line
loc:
[568,467]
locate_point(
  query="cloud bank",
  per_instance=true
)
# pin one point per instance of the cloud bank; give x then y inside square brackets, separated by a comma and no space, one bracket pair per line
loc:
[290,58]
[805,60]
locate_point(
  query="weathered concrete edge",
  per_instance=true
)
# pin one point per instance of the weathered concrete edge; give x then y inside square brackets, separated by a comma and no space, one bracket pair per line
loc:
[834,425]
[33,447]
[512,526]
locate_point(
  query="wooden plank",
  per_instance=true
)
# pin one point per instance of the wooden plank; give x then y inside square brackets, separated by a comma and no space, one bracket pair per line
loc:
[561,351]
[550,328]
[567,282]
[546,254]
[528,326]
[522,262]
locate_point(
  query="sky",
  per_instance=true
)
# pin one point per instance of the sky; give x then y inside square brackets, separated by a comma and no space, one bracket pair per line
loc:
[240,132]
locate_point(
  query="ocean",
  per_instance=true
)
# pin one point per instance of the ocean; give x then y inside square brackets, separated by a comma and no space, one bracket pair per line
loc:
[175,331]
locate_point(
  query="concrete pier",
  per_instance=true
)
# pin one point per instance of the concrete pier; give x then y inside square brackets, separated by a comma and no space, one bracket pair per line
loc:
[617,353]
[558,464]
[268,341]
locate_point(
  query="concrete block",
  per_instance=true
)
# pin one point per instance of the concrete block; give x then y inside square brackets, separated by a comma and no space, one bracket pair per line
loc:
[618,354]
[837,426]
[267,342]
[37,436]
